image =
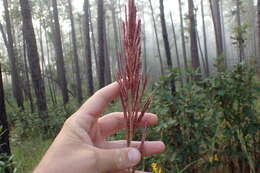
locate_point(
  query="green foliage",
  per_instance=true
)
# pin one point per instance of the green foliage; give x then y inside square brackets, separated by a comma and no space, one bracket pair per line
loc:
[210,124]
[7,163]
[239,34]
[25,124]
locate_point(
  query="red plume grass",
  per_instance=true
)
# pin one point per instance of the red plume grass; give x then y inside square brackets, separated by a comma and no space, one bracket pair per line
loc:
[132,82]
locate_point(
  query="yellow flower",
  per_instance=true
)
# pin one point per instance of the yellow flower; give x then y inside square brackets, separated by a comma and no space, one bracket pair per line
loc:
[213,158]
[155,168]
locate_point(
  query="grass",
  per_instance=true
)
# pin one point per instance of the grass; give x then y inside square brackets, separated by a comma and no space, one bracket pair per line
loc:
[28,153]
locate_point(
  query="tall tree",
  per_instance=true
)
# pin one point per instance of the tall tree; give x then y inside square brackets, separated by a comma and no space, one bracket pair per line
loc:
[166,44]
[88,57]
[215,11]
[183,37]
[116,39]
[193,39]
[75,55]
[144,48]
[157,38]
[93,39]
[108,78]
[258,31]
[101,42]
[4,137]
[59,54]
[27,78]
[165,36]
[240,33]
[33,57]
[175,43]
[17,91]
[204,38]
[223,31]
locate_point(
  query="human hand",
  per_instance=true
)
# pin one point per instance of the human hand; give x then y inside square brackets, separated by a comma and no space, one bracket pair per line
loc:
[81,145]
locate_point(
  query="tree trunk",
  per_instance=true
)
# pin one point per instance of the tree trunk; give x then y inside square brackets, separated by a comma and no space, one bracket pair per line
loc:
[88,57]
[4,140]
[116,39]
[240,38]
[193,40]
[101,42]
[27,82]
[258,31]
[42,52]
[166,45]
[205,39]
[157,39]
[51,84]
[75,55]
[165,36]
[176,47]
[201,52]
[183,38]
[215,10]
[223,33]
[108,78]
[59,54]
[94,45]
[33,57]
[145,71]
[17,91]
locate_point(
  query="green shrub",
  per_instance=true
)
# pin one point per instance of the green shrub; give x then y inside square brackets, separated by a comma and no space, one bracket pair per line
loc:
[209,124]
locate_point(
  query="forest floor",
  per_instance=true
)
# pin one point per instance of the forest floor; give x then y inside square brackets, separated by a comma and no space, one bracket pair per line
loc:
[28,153]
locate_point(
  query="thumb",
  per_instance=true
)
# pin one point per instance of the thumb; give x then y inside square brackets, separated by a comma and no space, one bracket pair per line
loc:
[117,159]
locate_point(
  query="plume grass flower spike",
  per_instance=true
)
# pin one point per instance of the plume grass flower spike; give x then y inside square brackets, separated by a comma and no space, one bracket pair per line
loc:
[130,78]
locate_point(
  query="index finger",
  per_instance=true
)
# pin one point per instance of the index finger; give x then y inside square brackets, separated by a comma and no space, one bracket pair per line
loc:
[96,104]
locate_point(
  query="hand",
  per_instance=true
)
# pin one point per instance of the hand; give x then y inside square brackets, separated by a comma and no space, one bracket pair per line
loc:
[81,145]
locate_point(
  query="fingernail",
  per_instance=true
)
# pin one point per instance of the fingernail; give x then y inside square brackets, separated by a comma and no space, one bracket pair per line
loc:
[134,156]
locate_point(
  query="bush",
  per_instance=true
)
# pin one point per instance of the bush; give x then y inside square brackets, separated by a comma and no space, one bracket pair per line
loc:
[212,124]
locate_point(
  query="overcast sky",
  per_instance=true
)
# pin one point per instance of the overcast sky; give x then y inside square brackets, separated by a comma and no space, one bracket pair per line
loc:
[170,5]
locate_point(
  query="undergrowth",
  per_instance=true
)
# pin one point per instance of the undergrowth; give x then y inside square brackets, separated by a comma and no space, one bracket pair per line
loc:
[211,125]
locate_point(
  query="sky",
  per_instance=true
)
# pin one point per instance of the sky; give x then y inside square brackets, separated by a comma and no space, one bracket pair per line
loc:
[169,5]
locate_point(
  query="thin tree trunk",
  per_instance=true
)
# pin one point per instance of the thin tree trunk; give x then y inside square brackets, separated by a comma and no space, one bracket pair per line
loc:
[59,54]
[205,39]
[75,55]
[176,48]
[144,49]
[224,34]
[183,38]
[157,39]
[28,85]
[215,10]
[42,52]
[108,78]
[193,40]
[165,36]
[87,44]
[258,32]
[4,140]
[166,45]
[116,40]
[101,42]
[94,45]
[33,57]
[201,52]
[17,91]
[241,39]
[51,84]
